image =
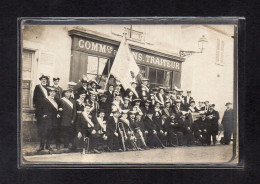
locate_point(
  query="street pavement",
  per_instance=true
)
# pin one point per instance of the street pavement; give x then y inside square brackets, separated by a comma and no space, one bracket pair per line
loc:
[170,155]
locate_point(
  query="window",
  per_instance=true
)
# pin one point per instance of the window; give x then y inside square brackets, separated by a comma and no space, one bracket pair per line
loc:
[157,77]
[220,52]
[94,67]
[27,63]
[133,34]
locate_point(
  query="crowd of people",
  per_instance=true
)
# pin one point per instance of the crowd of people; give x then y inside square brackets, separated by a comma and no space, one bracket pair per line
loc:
[119,119]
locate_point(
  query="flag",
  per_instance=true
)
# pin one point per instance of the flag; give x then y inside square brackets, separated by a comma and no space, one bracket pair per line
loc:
[124,68]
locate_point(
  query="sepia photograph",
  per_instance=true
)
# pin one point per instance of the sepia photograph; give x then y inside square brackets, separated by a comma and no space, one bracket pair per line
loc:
[128,94]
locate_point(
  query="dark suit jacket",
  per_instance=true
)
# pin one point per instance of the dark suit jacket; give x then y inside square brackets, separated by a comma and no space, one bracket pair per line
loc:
[186,102]
[46,108]
[149,125]
[67,114]
[161,126]
[38,95]
[213,121]
[228,120]
[168,111]
[163,96]
[110,97]
[178,112]
[111,126]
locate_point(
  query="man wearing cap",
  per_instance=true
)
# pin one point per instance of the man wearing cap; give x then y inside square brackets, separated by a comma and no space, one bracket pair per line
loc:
[67,111]
[146,107]
[71,86]
[187,100]
[143,89]
[228,123]
[110,95]
[136,107]
[113,134]
[48,120]
[126,104]
[56,86]
[162,134]
[213,117]
[174,131]
[153,141]
[83,88]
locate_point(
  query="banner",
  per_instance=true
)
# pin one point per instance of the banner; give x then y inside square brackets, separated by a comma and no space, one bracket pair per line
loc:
[124,68]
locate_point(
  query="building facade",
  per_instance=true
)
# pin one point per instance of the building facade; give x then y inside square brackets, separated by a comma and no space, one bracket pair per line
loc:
[69,52]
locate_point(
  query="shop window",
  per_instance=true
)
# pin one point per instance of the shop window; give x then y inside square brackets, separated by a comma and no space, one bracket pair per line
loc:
[93,67]
[159,77]
[27,68]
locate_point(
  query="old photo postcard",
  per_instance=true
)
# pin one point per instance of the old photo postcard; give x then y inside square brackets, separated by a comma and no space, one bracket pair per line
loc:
[128,94]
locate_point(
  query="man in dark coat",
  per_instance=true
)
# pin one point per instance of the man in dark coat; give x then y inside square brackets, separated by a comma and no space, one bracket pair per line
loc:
[86,131]
[153,140]
[167,110]
[48,120]
[161,123]
[228,123]
[113,134]
[56,86]
[186,127]
[146,107]
[178,109]
[200,129]
[39,93]
[213,117]
[139,129]
[173,134]
[104,106]
[67,108]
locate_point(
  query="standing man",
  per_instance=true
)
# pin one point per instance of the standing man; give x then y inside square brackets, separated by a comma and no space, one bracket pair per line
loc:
[213,117]
[206,107]
[67,108]
[228,123]
[161,96]
[187,100]
[48,124]
[56,86]
[39,93]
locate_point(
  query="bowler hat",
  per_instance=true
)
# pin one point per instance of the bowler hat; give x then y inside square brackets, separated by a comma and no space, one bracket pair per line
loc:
[55,78]
[228,103]
[44,77]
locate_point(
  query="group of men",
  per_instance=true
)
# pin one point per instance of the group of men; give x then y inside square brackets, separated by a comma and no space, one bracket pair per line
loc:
[121,119]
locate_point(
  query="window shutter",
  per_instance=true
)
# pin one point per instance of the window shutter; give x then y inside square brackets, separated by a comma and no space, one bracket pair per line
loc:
[27,65]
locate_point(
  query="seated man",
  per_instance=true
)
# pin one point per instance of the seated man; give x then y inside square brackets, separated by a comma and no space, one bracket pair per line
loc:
[153,140]
[86,131]
[186,129]
[162,134]
[139,131]
[171,130]
[100,127]
[200,130]
[126,126]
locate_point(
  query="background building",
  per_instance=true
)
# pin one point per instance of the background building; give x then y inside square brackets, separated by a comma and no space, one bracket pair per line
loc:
[70,51]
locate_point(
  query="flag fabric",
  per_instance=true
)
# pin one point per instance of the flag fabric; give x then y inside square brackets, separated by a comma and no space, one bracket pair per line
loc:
[124,68]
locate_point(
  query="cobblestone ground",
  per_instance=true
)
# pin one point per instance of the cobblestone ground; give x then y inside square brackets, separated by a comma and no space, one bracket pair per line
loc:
[169,155]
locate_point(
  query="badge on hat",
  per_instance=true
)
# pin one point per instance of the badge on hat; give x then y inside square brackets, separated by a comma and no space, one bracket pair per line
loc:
[55,78]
